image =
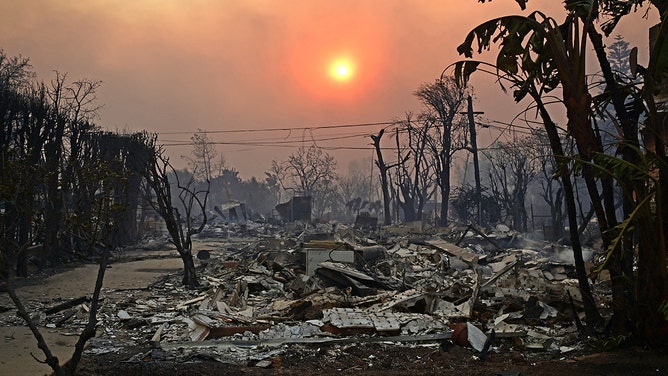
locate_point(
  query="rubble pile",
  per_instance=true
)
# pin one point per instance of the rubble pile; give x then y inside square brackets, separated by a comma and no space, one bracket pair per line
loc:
[330,284]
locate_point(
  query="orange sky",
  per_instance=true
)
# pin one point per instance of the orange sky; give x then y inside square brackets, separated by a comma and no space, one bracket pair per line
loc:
[173,66]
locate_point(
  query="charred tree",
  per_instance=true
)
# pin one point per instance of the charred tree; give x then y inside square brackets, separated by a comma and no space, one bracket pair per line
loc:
[180,226]
[383,169]
[444,99]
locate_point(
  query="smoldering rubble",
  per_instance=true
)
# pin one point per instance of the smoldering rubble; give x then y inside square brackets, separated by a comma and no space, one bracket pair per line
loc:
[267,288]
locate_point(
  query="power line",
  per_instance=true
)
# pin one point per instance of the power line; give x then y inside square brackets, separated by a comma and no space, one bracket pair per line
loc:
[264,143]
[290,140]
[335,126]
[516,126]
[295,137]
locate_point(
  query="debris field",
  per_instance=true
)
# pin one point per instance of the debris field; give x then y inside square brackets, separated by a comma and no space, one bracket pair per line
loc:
[268,289]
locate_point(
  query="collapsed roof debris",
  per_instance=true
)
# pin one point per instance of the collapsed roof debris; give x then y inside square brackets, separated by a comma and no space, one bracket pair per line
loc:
[270,287]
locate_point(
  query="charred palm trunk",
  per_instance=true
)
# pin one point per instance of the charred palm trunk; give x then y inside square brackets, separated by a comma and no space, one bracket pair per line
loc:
[593,317]
[652,278]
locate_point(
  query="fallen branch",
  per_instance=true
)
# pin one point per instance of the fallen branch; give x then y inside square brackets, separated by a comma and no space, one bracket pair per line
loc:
[51,359]
[69,304]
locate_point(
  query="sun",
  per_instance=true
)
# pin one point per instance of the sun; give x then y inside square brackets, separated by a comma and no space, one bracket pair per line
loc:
[341,70]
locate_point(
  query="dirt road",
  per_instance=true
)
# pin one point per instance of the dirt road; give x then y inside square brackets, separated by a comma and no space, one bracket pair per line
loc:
[18,343]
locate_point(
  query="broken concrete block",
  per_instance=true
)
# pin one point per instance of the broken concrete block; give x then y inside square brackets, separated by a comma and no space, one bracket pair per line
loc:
[346,318]
[315,256]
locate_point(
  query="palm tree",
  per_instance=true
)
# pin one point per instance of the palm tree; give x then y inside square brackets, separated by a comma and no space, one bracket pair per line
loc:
[537,55]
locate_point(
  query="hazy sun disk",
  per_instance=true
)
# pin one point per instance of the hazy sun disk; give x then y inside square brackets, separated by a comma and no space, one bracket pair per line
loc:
[341,70]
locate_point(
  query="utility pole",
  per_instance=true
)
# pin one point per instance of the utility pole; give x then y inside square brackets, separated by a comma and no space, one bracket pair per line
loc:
[474,150]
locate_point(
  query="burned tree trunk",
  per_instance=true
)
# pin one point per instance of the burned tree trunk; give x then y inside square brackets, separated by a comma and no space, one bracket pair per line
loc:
[189,271]
[181,228]
[384,182]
